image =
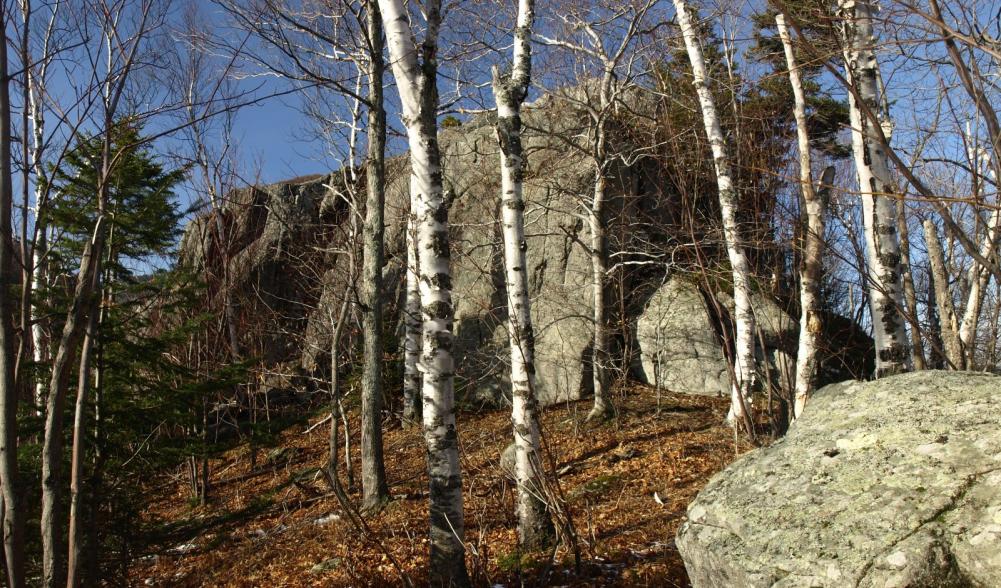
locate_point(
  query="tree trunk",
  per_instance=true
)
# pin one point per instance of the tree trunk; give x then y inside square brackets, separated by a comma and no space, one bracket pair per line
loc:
[39,335]
[375,491]
[600,355]
[336,329]
[936,360]
[535,527]
[412,401]
[812,262]
[75,549]
[948,323]
[876,187]
[744,368]
[416,83]
[978,278]
[910,297]
[88,351]
[13,512]
[40,347]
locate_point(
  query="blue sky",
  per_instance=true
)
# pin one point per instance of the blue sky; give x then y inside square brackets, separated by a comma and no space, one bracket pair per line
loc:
[272,137]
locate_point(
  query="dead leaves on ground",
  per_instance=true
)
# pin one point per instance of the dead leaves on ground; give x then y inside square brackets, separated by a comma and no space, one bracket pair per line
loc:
[626,483]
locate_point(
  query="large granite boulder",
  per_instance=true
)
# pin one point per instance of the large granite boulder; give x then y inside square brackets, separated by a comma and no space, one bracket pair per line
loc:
[680,336]
[287,267]
[680,347]
[891,483]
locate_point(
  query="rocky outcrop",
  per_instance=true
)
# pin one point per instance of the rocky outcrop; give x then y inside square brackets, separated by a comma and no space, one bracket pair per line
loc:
[682,331]
[680,347]
[286,247]
[273,241]
[890,483]
[286,244]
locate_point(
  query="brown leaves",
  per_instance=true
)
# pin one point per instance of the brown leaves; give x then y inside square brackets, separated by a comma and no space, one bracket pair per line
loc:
[608,473]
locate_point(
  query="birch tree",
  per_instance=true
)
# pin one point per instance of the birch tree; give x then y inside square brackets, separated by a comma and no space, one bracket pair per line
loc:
[416,82]
[811,264]
[744,370]
[977,276]
[535,528]
[36,76]
[605,36]
[876,187]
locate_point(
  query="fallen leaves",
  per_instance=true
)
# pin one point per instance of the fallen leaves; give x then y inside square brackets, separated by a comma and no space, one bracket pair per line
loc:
[265,528]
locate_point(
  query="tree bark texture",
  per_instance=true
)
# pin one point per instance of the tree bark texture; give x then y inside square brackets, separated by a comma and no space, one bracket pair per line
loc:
[535,528]
[416,82]
[744,367]
[876,187]
[375,491]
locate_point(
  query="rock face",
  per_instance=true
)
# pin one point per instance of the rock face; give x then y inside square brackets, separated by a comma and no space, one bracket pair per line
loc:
[680,349]
[286,244]
[892,483]
[680,336]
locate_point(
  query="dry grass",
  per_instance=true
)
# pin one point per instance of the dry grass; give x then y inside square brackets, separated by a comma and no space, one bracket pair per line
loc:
[262,530]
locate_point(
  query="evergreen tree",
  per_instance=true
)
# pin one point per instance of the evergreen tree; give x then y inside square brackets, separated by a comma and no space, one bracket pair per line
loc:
[147,405]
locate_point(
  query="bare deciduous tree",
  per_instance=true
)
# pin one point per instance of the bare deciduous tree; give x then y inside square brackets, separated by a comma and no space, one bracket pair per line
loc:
[535,528]
[744,366]
[416,81]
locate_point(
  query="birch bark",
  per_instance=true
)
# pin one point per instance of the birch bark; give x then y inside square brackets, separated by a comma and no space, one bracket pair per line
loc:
[876,187]
[416,82]
[978,277]
[744,367]
[535,528]
[813,238]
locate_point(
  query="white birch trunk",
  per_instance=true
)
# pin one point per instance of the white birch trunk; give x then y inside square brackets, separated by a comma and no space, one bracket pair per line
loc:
[416,83]
[603,408]
[744,367]
[948,323]
[810,323]
[412,322]
[876,187]
[39,337]
[535,529]
[978,275]
[978,278]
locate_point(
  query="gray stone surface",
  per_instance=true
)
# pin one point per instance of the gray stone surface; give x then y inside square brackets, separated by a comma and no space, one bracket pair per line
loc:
[288,267]
[892,483]
[679,348]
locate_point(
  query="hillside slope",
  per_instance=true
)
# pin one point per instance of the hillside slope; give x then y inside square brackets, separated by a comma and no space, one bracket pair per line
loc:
[281,526]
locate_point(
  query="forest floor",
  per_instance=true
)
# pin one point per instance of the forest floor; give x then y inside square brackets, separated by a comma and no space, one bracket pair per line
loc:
[280,525]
